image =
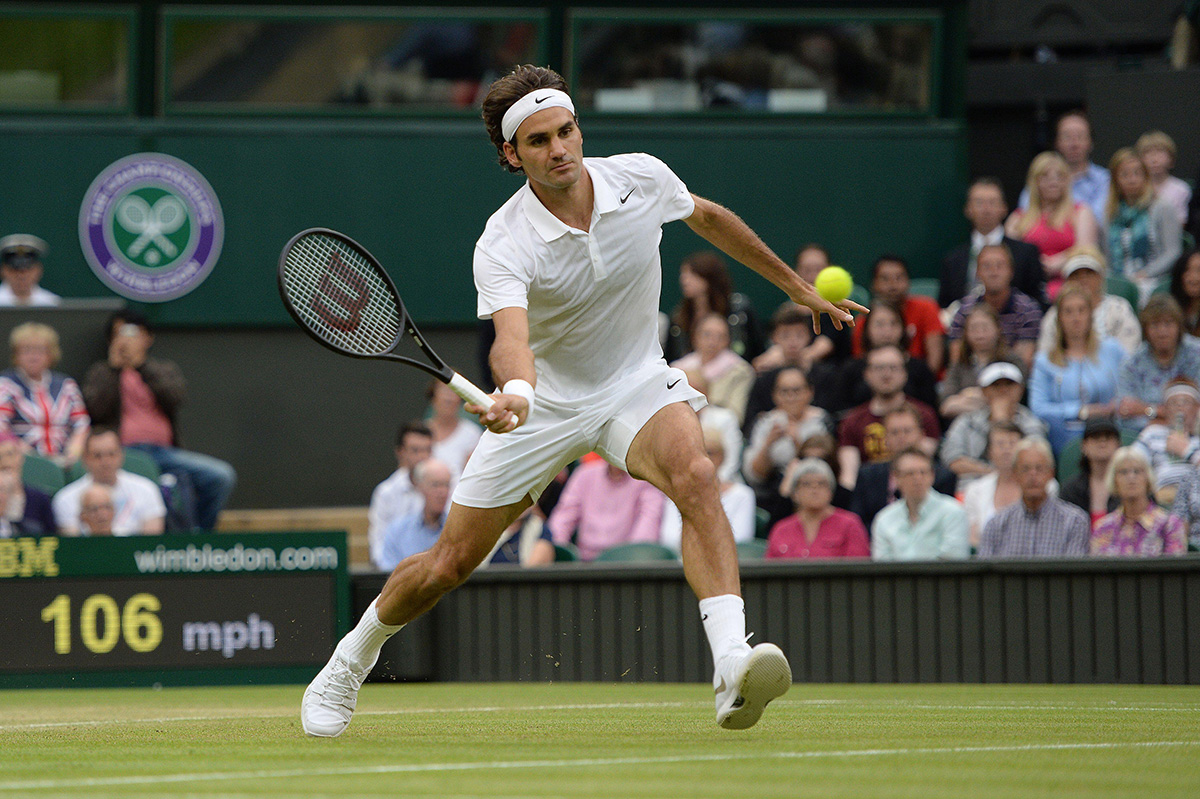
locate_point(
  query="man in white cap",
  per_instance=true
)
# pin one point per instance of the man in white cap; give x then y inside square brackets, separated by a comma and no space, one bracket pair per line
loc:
[21,269]
[1112,316]
[964,448]
[569,271]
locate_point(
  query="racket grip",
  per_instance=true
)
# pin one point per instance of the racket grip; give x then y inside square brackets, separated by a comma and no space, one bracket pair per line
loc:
[470,392]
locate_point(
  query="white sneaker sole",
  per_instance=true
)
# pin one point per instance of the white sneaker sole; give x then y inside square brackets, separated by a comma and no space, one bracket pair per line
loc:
[768,676]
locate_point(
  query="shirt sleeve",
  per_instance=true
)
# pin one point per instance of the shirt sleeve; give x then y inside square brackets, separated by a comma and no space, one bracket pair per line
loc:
[499,282]
[674,200]
[954,446]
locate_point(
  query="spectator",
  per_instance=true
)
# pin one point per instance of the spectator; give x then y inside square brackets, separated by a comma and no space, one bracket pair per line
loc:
[982,343]
[96,511]
[42,407]
[9,527]
[526,542]
[1112,316]
[966,441]
[1089,181]
[791,333]
[1040,525]
[1144,233]
[1138,528]
[816,529]
[21,270]
[706,288]
[882,327]
[824,447]
[1054,221]
[875,487]
[1170,442]
[396,497]
[861,436]
[777,436]
[921,320]
[830,344]
[724,422]
[602,507]
[997,489]
[1157,151]
[922,524]
[1019,315]
[138,501]
[416,531]
[737,499]
[1088,490]
[27,507]
[1164,355]
[986,210]
[1187,507]
[1077,379]
[729,376]
[454,438]
[140,396]
[1185,288]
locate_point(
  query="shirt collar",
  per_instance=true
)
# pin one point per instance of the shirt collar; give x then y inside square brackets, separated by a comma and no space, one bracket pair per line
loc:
[549,226]
[980,240]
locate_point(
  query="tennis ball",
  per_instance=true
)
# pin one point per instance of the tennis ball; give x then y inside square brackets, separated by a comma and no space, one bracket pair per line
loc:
[834,283]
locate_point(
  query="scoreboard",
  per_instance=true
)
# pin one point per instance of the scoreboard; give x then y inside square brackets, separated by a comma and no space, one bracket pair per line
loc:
[174,609]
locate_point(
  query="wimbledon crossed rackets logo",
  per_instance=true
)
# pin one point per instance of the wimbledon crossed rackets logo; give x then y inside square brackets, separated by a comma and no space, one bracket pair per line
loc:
[352,304]
[151,227]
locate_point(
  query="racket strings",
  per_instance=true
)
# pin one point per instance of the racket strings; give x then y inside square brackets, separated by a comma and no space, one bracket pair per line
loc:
[340,296]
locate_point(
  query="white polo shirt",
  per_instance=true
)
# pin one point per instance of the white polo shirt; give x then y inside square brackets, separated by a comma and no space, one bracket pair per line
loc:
[136,499]
[592,297]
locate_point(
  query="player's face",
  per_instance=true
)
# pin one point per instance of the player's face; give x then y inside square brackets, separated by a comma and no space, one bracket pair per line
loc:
[985,208]
[549,147]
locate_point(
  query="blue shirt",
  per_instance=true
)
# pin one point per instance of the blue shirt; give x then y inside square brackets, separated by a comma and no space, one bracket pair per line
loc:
[1090,187]
[1058,393]
[407,536]
[940,531]
[1143,378]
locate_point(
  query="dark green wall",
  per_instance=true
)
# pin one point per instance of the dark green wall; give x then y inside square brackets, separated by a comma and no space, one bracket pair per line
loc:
[417,194]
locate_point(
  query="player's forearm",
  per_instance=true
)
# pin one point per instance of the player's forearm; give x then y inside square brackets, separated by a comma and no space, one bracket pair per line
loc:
[512,361]
[726,231]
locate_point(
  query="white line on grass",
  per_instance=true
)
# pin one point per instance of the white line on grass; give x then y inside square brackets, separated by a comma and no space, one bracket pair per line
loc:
[402,768]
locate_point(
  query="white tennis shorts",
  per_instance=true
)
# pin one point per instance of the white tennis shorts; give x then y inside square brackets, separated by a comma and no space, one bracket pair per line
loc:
[507,466]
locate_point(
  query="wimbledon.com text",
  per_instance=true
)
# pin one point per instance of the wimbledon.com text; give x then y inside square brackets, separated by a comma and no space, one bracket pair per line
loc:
[238,558]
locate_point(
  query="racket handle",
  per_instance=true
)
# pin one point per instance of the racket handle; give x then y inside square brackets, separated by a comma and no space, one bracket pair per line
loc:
[470,392]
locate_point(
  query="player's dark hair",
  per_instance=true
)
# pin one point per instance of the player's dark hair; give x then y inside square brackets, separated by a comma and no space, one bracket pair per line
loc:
[417,428]
[506,91]
[889,258]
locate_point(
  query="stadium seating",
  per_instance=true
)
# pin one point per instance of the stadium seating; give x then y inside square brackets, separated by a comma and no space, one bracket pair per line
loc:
[754,549]
[1115,284]
[762,523]
[43,474]
[1068,459]
[637,552]
[565,553]
[925,287]
[136,462]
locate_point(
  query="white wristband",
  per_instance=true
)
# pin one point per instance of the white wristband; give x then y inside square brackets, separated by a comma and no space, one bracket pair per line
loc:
[522,389]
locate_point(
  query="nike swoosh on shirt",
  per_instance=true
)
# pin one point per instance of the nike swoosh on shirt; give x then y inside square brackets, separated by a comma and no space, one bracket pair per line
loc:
[672,385]
[627,196]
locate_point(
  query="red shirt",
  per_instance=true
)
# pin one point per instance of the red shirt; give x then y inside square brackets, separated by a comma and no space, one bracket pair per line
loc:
[841,535]
[921,317]
[863,429]
[142,421]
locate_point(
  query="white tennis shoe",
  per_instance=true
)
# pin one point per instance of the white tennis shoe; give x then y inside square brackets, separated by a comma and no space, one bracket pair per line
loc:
[330,698]
[746,681]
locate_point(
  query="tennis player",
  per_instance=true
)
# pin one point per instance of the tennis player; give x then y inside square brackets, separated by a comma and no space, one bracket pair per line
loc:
[568,269]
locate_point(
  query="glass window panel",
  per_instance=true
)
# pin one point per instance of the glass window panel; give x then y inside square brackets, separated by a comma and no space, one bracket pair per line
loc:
[308,64]
[779,66]
[64,62]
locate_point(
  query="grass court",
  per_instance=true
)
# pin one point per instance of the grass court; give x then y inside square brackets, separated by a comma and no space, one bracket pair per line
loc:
[502,741]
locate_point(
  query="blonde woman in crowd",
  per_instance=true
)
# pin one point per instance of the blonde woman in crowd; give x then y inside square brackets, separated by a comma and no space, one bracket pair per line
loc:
[1053,222]
[1145,235]
[1138,527]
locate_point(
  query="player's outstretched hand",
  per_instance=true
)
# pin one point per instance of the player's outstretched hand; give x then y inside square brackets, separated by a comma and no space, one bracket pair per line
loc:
[507,413]
[839,312]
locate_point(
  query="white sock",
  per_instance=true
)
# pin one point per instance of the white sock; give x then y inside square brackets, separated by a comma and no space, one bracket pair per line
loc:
[724,619]
[361,646]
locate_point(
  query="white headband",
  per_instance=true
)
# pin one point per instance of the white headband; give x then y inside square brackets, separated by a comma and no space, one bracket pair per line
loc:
[1181,389]
[530,104]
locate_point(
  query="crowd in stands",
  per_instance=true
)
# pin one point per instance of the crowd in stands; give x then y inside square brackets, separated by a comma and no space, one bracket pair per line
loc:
[1060,340]
[64,445]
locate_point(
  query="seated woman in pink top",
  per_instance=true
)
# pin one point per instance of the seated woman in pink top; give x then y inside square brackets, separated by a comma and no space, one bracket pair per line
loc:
[1053,222]
[816,529]
[1138,527]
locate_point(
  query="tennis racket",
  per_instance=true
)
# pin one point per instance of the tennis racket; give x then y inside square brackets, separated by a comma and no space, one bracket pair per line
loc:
[341,296]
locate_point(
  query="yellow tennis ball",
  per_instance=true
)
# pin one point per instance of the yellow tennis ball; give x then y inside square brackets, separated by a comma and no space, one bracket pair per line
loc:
[834,283]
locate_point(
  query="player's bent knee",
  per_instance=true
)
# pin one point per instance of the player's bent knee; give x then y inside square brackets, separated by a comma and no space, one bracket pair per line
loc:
[695,480]
[448,570]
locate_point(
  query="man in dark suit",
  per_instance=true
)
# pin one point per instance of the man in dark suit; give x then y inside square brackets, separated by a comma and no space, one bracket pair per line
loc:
[986,210]
[876,486]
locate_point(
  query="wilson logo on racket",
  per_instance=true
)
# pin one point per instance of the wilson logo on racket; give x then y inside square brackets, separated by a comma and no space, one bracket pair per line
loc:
[351,304]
